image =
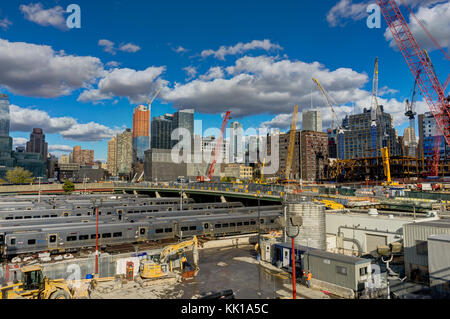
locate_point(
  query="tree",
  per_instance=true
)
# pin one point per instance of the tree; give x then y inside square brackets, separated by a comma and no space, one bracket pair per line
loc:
[19,175]
[68,186]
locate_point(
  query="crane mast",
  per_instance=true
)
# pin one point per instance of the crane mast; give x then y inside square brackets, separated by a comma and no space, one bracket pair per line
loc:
[212,166]
[374,110]
[291,143]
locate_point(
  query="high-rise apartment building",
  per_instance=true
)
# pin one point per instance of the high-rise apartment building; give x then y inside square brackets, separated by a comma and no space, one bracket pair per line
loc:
[112,156]
[410,142]
[141,132]
[37,143]
[124,152]
[84,157]
[4,115]
[312,121]
[357,137]
[161,132]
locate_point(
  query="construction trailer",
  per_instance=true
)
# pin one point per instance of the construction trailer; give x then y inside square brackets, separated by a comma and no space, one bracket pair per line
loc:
[416,246]
[344,271]
[439,265]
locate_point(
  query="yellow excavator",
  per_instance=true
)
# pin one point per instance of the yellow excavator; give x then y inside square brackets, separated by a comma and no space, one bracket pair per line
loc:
[387,168]
[160,265]
[330,204]
[36,286]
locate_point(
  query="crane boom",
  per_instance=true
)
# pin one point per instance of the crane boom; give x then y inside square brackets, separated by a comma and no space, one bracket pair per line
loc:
[212,167]
[374,110]
[330,102]
[416,59]
[291,143]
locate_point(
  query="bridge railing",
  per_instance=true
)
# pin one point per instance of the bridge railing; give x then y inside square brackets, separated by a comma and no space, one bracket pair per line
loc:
[255,189]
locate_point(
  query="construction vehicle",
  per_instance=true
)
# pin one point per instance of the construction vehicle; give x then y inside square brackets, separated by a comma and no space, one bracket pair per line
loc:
[387,168]
[212,166]
[36,286]
[163,264]
[330,204]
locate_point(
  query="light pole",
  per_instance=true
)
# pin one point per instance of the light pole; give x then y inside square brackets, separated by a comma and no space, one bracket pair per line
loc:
[39,194]
[295,221]
[96,234]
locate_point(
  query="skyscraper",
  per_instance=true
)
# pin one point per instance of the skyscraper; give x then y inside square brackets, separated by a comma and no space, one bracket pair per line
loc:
[237,143]
[312,121]
[64,159]
[112,159]
[124,157]
[184,119]
[37,143]
[161,131]
[4,115]
[141,132]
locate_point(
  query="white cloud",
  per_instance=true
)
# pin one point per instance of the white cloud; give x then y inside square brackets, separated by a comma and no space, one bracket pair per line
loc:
[346,9]
[19,141]
[108,46]
[135,85]
[190,71]
[5,23]
[129,47]
[213,73]
[241,48]
[60,148]
[39,71]
[113,64]
[25,119]
[180,49]
[258,85]
[45,17]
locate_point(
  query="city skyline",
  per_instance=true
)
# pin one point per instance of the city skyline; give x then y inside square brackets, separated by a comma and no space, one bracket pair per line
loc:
[88,109]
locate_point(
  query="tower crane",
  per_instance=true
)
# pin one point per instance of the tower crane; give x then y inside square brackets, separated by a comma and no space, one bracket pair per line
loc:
[212,166]
[410,111]
[374,110]
[417,59]
[331,103]
[290,154]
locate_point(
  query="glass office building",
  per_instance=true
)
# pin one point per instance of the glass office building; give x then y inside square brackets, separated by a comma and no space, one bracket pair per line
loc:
[161,131]
[4,115]
[184,119]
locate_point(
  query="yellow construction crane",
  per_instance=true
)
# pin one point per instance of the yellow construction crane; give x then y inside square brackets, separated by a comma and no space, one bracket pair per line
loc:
[290,154]
[387,168]
[151,269]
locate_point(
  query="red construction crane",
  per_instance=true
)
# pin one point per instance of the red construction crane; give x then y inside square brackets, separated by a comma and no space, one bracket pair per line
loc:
[418,60]
[212,166]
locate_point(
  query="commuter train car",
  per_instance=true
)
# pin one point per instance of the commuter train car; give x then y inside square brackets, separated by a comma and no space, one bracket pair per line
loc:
[127,216]
[111,210]
[61,237]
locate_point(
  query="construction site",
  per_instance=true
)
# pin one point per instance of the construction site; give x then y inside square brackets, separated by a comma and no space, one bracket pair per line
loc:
[356,212]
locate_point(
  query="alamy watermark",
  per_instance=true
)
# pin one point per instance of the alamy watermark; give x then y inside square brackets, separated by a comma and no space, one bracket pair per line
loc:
[73,21]
[374,18]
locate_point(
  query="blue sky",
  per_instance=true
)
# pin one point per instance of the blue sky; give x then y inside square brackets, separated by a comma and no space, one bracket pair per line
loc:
[270,51]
